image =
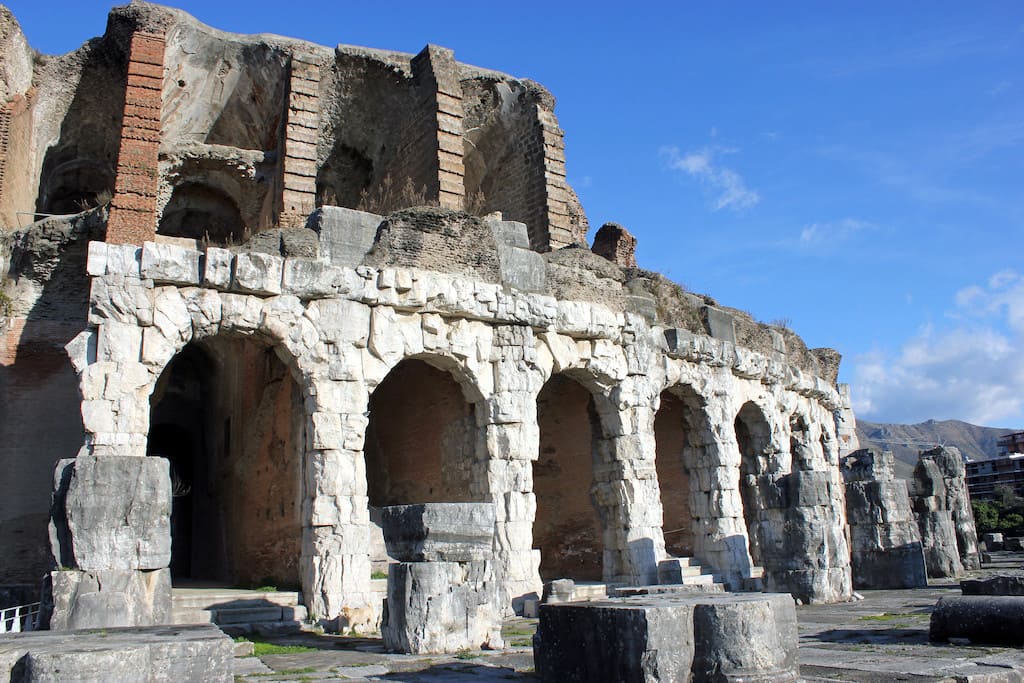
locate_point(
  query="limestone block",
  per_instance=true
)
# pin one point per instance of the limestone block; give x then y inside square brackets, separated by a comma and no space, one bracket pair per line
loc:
[341,321]
[115,298]
[346,235]
[116,655]
[446,532]
[96,260]
[669,638]
[309,279]
[240,312]
[119,342]
[436,607]
[808,488]
[204,306]
[217,268]
[258,273]
[110,597]
[113,512]
[170,263]
[989,619]
[124,259]
[81,349]
[171,315]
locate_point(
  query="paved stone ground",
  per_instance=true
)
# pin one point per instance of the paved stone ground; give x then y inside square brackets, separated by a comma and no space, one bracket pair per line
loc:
[883,637]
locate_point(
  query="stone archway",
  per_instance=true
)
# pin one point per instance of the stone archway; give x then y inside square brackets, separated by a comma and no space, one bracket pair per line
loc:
[422,443]
[228,415]
[568,527]
[679,427]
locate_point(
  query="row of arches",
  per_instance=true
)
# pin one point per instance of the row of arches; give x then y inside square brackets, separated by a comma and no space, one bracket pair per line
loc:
[228,414]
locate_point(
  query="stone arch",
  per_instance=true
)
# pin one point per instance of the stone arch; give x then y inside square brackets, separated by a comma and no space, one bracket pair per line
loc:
[681,431]
[239,500]
[424,440]
[574,480]
[75,185]
[199,211]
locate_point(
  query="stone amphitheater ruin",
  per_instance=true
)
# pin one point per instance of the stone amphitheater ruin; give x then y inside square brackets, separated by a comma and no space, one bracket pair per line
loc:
[218,276]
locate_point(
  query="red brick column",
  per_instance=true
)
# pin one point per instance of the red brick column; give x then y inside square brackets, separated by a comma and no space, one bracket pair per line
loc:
[298,170]
[556,209]
[442,109]
[133,208]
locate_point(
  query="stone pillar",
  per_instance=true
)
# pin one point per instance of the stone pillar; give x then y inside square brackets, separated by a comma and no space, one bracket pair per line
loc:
[438,86]
[616,244]
[110,534]
[885,543]
[298,165]
[336,541]
[513,438]
[942,505]
[631,500]
[133,208]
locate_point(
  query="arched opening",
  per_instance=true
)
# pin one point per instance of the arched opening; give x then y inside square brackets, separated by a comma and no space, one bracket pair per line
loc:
[678,431]
[753,435]
[76,186]
[200,212]
[421,444]
[567,528]
[228,415]
[343,178]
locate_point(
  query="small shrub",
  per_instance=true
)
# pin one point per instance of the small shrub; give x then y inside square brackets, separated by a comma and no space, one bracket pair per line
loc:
[386,197]
[378,575]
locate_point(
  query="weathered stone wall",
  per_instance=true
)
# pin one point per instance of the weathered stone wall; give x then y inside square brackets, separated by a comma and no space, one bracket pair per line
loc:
[885,544]
[942,504]
[504,345]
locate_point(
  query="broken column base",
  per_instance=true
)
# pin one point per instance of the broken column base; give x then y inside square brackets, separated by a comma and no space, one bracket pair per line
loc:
[109,598]
[721,637]
[441,607]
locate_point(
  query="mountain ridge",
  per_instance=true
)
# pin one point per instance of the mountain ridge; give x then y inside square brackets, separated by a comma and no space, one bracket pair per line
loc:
[907,440]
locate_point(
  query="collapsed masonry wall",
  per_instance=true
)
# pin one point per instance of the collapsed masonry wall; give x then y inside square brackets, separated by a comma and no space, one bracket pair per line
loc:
[885,544]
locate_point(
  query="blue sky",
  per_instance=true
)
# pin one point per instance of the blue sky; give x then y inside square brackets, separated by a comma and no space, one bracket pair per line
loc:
[853,168]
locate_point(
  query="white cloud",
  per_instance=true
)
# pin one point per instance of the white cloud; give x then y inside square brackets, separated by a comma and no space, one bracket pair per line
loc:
[726,185]
[973,370]
[832,232]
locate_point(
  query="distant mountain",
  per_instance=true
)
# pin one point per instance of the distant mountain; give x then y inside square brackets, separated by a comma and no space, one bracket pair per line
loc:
[906,441]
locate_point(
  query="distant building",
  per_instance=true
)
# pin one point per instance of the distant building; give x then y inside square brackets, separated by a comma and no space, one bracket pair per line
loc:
[1010,443]
[983,476]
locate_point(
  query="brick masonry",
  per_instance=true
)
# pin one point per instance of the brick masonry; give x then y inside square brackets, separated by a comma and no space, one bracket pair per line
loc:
[298,170]
[616,244]
[133,209]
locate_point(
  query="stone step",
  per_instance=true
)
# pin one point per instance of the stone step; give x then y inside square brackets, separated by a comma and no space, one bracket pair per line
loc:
[239,615]
[698,579]
[212,598]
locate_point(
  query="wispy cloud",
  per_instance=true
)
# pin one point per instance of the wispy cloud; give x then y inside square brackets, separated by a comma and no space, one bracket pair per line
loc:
[972,369]
[833,232]
[726,186]
[921,50]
